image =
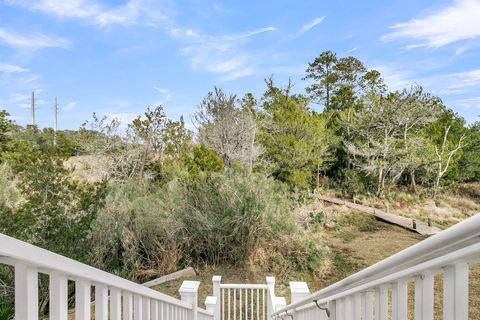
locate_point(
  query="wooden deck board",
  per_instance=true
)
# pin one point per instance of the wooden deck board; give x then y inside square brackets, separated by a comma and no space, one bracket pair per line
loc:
[404,222]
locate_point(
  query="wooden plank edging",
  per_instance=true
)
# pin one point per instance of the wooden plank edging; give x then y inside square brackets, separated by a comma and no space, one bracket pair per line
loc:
[401,221]
[169,277]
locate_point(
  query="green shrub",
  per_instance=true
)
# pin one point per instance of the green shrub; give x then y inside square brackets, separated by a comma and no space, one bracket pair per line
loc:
[146,229]
[57,211]
[317,217]
[352,182]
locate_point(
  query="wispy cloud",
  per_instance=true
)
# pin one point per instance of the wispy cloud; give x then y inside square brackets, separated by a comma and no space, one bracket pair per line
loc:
[34,41]
[396,79]
[468,103]
[165,95]
[310,25]
[11,68]
[223,55]
[456,22]
[133,12]
[352,50]
[248,34]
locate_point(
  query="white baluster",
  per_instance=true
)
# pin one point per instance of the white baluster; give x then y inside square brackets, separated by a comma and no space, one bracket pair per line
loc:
[82,299]
[332,307]
[357,306]
[235,304]
[240,304]
[246,305]
[340,309]
[154,310]
[399,300]
[258,304]
[137,307]
[101,302]
[26,292]
[455,291]
[127,306]
[252,292]
[369,304]
[145,308]
[348,308]
[115,304]
[264,307]
[161,310]
[381,303]
[424,296]
[222,317]
[58,286]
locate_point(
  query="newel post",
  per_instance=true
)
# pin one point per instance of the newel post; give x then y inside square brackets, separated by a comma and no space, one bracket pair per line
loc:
[216,293]
[270,296]
[189,293]
[298,291]
[211,304]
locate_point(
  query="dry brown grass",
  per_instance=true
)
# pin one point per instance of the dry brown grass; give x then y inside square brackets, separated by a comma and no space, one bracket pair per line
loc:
[447,210]
[356,241]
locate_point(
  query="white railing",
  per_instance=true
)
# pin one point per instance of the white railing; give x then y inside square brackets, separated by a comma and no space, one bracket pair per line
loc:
[381,292]
[378,292]
[245,301]
[114,297]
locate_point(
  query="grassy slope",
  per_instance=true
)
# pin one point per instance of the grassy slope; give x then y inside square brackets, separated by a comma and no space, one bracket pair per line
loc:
[447,210]
[356,241]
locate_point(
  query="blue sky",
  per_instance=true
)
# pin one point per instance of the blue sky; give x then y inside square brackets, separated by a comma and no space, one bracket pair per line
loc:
[117,57]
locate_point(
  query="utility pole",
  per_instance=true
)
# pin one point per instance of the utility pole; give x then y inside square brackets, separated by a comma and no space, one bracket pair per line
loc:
[55,125]
[32,107]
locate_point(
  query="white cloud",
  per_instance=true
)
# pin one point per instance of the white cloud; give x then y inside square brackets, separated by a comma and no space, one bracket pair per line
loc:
[311,24]
[10,68]
[442,83]
[352,50]
[239,73]
[221,55]
[395,79]
[249,34]
[166,95]
[468,102]
[458,21]
[35,41]
[133,12]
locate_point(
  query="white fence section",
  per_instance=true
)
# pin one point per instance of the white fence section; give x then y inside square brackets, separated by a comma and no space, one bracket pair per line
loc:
[380,292]
[114,297]
[244,301]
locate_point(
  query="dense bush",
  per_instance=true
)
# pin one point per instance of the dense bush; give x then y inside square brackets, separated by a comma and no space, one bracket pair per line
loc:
[226,217]
[56,212]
